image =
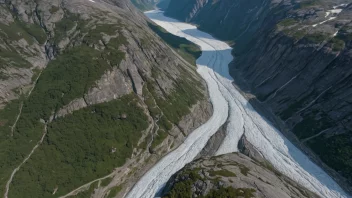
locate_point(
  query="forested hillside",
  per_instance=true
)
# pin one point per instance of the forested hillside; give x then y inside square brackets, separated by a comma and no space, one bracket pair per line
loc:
[89,94]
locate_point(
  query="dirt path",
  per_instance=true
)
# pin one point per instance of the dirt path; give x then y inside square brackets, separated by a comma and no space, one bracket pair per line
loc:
[85,186]
[24,161]
[18,117]
[21,106]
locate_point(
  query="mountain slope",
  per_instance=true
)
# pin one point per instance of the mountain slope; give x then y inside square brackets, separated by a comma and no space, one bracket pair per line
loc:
[94,92]
[294,57]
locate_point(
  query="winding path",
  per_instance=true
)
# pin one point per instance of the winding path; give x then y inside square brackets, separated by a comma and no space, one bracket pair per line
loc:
[229,105]
[24,161]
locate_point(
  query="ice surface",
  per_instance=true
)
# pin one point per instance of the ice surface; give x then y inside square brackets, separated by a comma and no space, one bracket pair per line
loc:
[231,107]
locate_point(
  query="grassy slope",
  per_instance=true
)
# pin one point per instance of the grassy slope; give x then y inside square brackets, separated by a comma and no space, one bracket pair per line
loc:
[189,178]
[78,148]
[186,92]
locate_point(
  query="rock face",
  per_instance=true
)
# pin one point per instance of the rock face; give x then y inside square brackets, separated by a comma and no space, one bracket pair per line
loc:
[232,175]
[145,4]
[60,59]
[295,57]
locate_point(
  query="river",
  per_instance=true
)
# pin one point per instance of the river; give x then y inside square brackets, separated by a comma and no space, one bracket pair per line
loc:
[231,107]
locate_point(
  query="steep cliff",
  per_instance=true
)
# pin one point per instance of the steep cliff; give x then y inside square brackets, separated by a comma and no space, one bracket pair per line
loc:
[232,175]
[90,97]
[295,58]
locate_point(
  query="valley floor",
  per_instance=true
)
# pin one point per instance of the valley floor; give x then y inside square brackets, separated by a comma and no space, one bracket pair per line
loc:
[231,107]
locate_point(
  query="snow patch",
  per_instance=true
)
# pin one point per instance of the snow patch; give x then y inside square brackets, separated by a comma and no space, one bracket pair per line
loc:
[336,33]
[334,12]
[331,18]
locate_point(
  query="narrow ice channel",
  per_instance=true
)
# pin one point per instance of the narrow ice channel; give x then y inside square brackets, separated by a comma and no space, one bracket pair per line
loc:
[231,107]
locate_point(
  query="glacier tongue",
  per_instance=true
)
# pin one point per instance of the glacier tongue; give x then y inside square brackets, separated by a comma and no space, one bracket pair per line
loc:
[231,107]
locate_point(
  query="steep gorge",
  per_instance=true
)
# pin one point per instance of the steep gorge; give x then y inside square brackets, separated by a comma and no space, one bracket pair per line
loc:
[294,57]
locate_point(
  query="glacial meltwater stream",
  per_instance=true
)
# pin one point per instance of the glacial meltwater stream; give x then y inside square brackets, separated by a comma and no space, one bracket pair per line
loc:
[231,107]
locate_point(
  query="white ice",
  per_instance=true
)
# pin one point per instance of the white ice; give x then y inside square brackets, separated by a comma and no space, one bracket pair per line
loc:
[331,18]
[231,107]
[339,6]
[335,11]
[336,33]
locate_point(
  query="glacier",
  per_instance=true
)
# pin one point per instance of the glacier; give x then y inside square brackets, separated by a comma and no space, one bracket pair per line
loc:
[232,108]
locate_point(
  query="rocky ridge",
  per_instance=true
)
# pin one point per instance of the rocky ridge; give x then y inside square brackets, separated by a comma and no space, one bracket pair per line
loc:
[232,175]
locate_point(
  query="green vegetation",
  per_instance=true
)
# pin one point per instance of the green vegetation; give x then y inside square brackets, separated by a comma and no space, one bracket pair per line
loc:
[36,73]
[174,106]
[287,22]
[158,138]
[12,58]
[294,32]
[54,9]
[223,172]
[317,37]
[80,147]
[183,188]
[230,192]
[188,50]
[178,102]
[66,24]
[149,101]
[106,181]
[14,32]
[18,30]
[94,35]
[35,31]
[270,167]
[3,76]
[337,44]
[345,33]
[336,152]
[66,78]
[87,193]
[114,191]
[244,170]
[8,116]
[91,142]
